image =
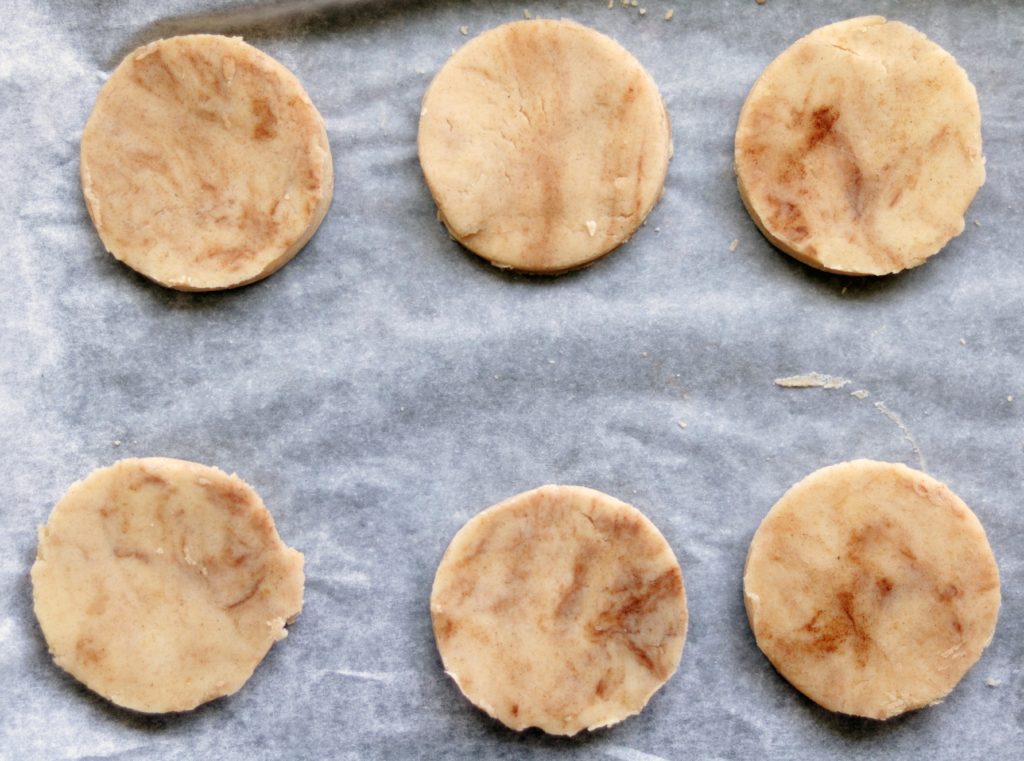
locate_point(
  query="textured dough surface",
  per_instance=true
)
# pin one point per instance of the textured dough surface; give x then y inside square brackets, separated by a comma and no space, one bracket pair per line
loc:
[204,163]
[560,608]
[161,584]
[858,150]
[872,588]
[545,145]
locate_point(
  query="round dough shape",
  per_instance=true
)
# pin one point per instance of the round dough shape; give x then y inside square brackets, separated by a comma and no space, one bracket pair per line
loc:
[560,608]
[204,163]
[545,145]
[858,150]
[161,584]
[871,587]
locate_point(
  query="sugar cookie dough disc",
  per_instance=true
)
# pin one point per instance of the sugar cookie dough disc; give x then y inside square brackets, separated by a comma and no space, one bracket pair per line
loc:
[161,584]
[871,587]
[858,149]
[204,163]
[545,145]
[560,608]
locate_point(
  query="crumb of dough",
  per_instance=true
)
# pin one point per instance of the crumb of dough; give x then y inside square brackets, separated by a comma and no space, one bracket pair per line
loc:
[591,227]
[681,423]
[963,342]
[811,380]
[464,30]
[993,682]
[669,14]
[735,244]
[527,14]
[860,394]
[977,223]
[643,11]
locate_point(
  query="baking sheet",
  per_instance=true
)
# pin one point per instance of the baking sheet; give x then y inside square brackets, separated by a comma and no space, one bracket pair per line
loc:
[386,385]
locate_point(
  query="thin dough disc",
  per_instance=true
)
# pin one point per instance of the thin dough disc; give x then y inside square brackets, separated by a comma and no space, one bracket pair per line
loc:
[545,145]
[204,163]
[858,149]
[871,587]
[161,584]
[560,608]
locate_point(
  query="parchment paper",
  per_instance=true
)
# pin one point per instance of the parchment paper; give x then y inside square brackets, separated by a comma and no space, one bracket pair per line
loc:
[386,385]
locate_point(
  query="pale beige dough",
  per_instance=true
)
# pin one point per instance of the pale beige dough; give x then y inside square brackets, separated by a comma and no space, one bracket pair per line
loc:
[560,608]
[161,584]
[872,588]
[545,145]
[858,149]
[204,163]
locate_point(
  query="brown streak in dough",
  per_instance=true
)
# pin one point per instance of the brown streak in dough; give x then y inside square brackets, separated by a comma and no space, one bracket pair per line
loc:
[153,67]
[231,257]
[625,621]
[233,560]
[569,603]
[99,604]
[861,639]
[120,553]
[229,495]
[444,626]
[266,125]
[145,478]
[822,122]
[788,220]
[477,552]
[204,70]
[88,652]
[247,596]
[643,657]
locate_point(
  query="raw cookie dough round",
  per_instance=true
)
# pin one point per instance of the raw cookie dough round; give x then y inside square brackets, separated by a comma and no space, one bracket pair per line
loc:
[560,608]
[204,163]
[545,145]
[161,584]
[871,587]
[858,149]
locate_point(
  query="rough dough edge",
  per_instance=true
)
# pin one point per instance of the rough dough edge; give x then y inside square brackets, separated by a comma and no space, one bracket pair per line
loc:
[278,626]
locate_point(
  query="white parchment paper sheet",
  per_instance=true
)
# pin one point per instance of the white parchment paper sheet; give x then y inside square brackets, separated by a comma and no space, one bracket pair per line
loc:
[386,385]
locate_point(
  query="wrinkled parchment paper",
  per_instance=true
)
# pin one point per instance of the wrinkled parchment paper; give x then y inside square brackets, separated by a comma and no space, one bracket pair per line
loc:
[386,385]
